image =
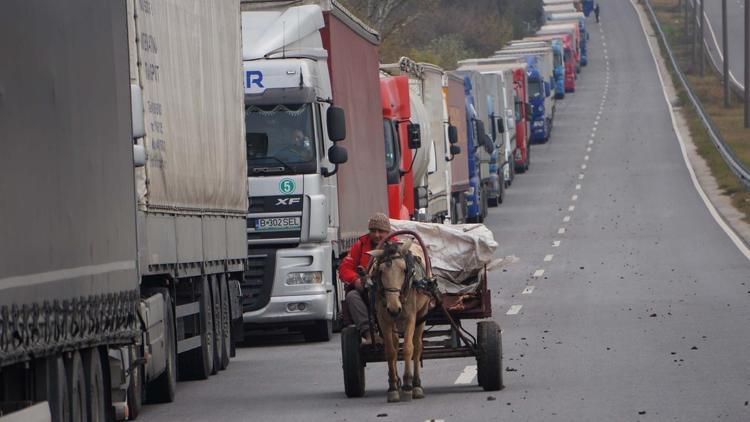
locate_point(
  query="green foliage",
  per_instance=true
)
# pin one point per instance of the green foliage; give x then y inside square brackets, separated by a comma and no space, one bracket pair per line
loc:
[443,32]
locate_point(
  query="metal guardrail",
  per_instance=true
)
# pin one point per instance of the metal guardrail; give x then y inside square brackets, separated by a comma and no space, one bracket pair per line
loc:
[716,61]
[737,166]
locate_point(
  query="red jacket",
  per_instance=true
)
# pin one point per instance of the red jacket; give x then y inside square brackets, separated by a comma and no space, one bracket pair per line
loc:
[357,257]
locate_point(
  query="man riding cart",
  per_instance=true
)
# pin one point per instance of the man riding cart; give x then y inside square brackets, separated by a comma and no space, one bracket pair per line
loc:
[352,272]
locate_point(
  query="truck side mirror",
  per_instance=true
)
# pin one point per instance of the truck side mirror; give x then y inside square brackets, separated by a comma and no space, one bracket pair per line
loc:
[452,134]
[337,155]
[415,136]
[480,129]
[455,149]
[546,89]
[336,122]
[500,126]
[489,146]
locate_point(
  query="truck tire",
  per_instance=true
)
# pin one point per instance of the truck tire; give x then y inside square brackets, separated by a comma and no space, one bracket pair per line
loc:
[162,389]
[354,368]
[319,331]
[95,388]
[55,387]
[135,388]
[338,316]
[77,388]
[217,322]
[489,356]
[226,324]
[198,363]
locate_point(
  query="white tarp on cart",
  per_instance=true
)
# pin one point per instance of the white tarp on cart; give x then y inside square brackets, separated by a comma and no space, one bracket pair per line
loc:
[458,252]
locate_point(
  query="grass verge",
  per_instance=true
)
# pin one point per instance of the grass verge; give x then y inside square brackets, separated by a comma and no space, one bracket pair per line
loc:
[728,120]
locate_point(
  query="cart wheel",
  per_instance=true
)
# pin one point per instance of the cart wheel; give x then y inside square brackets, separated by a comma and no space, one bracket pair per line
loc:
[489,356]
[354,368]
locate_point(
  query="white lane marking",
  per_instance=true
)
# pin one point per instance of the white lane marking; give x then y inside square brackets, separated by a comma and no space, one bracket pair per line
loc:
[711,209]
[580,176]
[434,420]
[574,198]
[596,123]
[593,130]
[598,117]
[586,158]
[571,208]
[514,310]
[566,219]
[588,149]
[528,290]
[561,230]
[591,142]
[538,273]
[548,258]
[467,376]
[604,44]
[578,186]
[555,243]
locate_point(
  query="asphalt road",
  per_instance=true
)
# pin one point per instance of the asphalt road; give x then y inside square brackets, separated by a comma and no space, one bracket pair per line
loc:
[641,312]
[735,32]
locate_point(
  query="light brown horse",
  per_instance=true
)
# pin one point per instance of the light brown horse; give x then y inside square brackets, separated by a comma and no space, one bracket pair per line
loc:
[398,306]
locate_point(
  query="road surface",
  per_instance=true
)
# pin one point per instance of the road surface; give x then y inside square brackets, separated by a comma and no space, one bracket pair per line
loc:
[640,307]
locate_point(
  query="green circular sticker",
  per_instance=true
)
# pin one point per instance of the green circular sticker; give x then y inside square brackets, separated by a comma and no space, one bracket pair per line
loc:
[287,185]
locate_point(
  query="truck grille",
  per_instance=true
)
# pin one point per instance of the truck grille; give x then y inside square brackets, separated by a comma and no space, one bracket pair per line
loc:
[258,282]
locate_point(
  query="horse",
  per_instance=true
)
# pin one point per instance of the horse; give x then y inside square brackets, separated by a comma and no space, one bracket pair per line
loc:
[397,269]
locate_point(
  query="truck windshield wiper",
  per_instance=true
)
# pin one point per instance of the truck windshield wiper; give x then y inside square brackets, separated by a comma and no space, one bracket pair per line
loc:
[271,169]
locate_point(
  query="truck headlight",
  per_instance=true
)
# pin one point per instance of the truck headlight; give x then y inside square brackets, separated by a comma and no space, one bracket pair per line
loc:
[310,277]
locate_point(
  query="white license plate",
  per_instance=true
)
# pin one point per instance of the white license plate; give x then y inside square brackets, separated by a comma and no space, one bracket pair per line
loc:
[276,224]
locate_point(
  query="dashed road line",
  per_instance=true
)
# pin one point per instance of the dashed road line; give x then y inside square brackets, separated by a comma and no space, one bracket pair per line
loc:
[514,309]
[538,273]
[561,230]
[528,290]
[548,258]
[574,198]
[556,243]
[578,187]
[571,208]
[467,376]
[566,219]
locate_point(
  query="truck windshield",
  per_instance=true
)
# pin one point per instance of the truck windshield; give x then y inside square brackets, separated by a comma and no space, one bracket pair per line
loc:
[280,139]
[558,58]
[536,88]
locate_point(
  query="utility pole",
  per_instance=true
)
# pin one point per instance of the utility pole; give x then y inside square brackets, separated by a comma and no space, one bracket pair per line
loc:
[747,64]
[694,24]
[725,48]
[702,39]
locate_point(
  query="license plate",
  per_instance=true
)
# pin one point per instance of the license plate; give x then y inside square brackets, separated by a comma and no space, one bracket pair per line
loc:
[277,224]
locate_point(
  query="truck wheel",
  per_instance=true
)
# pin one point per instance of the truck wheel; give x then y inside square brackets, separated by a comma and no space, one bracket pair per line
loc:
[77,388]
[489,356]
[54,388]
[217,317]
[354,368]
[92,365]
[338,316]
[162,389]
[135,388]
[320,331]
[226,324]
[198,363]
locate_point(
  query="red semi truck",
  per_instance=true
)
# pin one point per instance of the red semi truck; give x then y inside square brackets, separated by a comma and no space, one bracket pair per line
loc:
[568,57]
[394,96]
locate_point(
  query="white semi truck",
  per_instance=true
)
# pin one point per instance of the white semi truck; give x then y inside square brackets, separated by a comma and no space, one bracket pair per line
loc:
[311,82]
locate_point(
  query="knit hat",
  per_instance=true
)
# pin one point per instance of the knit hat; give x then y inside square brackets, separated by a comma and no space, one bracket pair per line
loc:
[379,221]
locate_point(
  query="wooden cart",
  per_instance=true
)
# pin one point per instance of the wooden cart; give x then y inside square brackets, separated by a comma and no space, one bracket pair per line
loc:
[444,338]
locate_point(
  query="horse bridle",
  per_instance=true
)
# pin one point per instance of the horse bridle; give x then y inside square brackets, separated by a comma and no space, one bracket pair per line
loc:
[408,275]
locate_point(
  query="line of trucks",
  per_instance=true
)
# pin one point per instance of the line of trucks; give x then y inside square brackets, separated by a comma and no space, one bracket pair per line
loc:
[177,173]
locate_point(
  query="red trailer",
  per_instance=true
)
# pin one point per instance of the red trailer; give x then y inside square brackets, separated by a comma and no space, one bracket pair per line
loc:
[569,57]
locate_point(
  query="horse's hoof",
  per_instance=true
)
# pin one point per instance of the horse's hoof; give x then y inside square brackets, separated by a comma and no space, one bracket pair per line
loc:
[407,395]
[393,397]
[417,393]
